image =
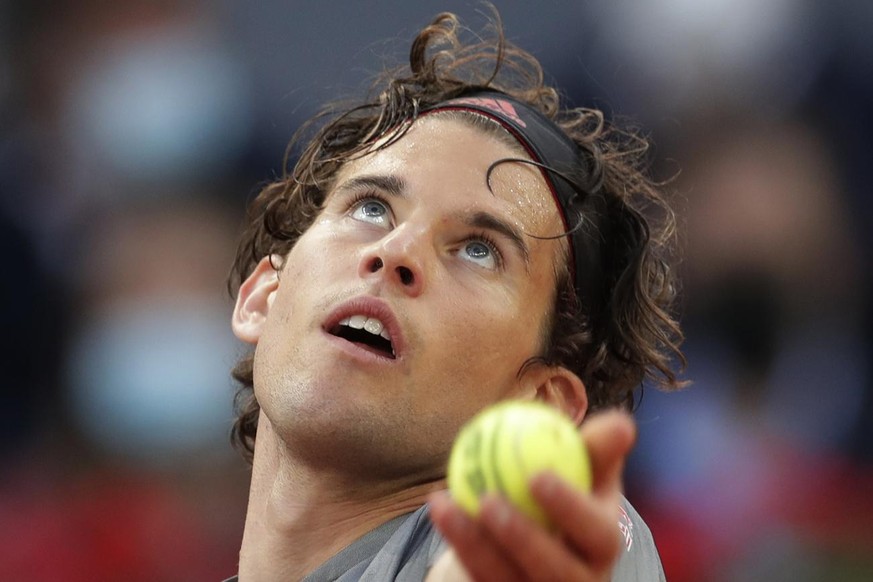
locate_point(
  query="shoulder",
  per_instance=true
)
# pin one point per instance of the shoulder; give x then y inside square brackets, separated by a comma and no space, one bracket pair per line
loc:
[639,560]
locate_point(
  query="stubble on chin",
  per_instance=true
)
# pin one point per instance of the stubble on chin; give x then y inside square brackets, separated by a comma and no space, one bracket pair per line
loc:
[368,444]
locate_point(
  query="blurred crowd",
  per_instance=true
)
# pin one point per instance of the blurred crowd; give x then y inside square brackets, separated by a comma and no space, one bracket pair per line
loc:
[132,134]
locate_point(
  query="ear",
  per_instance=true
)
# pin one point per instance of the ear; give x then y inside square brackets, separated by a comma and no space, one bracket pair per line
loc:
[254,300]
[559,387]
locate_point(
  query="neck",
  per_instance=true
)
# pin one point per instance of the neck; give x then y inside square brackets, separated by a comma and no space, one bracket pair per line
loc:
[298,518]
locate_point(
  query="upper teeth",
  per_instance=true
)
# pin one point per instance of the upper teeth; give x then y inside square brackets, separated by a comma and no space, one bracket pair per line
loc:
[370,324]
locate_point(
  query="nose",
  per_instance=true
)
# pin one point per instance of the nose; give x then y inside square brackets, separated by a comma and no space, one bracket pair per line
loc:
[398,258]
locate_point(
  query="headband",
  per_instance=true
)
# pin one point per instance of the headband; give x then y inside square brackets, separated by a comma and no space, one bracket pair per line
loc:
[562,164]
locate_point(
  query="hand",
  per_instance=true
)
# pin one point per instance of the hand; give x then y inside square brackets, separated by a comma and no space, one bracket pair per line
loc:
[503,544]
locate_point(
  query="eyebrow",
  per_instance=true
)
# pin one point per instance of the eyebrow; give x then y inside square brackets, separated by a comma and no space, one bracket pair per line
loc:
[390,184]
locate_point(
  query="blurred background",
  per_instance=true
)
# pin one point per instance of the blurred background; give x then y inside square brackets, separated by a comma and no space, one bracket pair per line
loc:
[132,134]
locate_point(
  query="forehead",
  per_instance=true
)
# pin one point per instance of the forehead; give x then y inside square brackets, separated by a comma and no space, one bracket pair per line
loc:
[445,158]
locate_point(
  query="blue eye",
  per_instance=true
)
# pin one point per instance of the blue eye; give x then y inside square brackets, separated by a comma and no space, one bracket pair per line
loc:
[481,253]
[372,211]
[477,250]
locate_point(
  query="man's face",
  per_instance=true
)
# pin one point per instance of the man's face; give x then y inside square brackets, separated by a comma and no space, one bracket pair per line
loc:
[414,246]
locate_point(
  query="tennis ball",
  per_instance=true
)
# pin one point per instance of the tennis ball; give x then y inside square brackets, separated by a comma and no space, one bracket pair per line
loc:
[503,446]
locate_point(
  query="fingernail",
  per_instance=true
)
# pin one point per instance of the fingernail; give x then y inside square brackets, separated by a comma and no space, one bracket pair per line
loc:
[457,521]
[502,515]
[498,510]
[546,484]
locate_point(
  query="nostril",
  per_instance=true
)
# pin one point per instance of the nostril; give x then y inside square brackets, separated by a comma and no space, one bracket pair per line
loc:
[375,265]
[406,276]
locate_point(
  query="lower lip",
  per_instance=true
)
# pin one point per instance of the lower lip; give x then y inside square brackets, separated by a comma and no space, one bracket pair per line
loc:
[359,352]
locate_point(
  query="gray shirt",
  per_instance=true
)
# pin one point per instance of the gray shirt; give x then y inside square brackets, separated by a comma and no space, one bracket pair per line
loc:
[405,548]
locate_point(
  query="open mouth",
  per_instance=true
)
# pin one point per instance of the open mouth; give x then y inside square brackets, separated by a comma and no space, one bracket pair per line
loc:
[366,332]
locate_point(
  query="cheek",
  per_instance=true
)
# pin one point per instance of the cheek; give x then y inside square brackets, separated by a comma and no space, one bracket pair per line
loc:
[299,292]
[497,334]
[312,262]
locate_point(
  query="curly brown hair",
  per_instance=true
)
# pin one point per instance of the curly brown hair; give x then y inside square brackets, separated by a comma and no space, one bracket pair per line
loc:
[634,337]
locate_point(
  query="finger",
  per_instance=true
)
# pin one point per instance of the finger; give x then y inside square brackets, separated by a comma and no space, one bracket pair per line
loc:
[588,523]
[608,437]
[477,550]
[537,553]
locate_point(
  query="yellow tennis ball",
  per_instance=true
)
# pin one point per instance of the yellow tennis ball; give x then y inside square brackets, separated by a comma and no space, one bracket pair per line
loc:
[503,446]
